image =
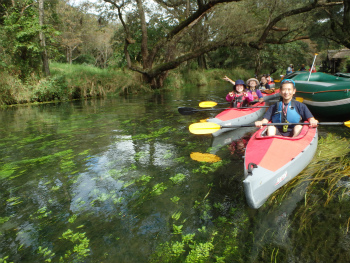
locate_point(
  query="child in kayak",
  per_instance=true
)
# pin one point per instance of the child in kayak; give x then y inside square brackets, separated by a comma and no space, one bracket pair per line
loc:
[264,84]
[252,84]
[287,110]
[239,96]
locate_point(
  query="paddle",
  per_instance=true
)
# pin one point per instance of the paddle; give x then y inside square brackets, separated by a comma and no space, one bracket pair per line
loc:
[210,104]
[210,127]
[190,111]
[205,157]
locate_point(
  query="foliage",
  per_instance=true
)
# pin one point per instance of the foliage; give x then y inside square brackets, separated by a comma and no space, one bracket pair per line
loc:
[21,30]
[81,246]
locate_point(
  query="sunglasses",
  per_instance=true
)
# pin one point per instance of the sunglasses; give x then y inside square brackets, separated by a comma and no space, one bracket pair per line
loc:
[288,81]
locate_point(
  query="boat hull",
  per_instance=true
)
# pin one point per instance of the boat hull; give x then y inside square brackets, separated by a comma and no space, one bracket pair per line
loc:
[278,160]
[237,116]
[325,95]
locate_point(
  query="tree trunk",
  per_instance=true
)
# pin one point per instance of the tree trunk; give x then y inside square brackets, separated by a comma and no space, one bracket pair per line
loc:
[44,57]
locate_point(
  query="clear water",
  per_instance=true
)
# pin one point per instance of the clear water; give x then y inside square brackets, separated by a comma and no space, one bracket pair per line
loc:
[105,180]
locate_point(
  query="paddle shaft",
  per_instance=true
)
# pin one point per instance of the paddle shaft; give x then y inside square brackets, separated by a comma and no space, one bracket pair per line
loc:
[282,124]
[190,111]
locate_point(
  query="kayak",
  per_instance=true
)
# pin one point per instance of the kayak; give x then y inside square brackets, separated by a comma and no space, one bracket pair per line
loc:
[272,161]
[325,95]
[237,116]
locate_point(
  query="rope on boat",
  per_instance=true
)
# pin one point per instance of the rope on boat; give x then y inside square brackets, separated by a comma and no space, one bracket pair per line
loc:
[313,92]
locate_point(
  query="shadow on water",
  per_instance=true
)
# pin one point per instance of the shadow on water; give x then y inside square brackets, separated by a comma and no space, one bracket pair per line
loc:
[112,180]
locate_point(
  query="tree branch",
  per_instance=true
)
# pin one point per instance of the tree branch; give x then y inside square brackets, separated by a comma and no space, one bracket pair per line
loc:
[307,8]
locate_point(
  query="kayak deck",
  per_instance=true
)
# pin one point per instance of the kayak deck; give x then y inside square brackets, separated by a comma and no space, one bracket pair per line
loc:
[272,161]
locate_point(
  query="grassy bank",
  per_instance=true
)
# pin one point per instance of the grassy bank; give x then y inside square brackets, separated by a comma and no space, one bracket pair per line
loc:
[68,82]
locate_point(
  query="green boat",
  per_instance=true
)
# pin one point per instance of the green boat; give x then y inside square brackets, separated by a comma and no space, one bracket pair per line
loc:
[325,95]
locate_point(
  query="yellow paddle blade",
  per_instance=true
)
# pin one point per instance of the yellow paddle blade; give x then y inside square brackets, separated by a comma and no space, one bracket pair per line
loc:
[347,123]
[204,128]
[299,99]
[207,104]
[277,80]
[203,120]
[205,157]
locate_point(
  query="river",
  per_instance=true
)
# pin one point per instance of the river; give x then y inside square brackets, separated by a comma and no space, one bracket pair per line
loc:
[112,180]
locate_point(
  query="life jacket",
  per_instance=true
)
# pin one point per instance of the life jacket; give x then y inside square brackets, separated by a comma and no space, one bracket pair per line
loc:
[238,101]
[254,94]
[291,116]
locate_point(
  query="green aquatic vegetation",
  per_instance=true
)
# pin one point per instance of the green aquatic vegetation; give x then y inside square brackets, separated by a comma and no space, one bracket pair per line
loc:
[168,155]
[158,189]
[41,213]
[175,199]
[139,155]
[330,165]
[178,178]
[46,253]
[7,170]
[117,200]
[187,250]
[181,159]
[86,152]
[4,219]
[81,246]
[72,218]
[4,260]
[177,230]
[144,179]
[55,188]
[155,134]
[13,201]
[176,216]
[206,168]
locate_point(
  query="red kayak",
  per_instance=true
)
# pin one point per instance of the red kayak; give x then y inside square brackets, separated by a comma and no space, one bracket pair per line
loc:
[272,161]
[238,116]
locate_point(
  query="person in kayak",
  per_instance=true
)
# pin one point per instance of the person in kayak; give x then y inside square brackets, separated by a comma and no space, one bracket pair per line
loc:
[252,85]
[239,96]
[287,110]
[263,83]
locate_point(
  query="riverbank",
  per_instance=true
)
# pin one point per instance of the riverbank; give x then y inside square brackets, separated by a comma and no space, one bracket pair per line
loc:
[69,82]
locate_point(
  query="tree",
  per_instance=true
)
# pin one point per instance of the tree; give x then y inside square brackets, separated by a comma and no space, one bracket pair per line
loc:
[169,50]
[44,56]
[21,27]
[333,24]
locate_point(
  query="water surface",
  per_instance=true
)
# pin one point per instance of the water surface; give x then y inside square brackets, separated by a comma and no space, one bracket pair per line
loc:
[110,180]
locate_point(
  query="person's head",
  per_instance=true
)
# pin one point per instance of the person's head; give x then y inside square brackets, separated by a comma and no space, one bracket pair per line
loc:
[263,79]
[252,82]
[291,65]
[239,86]
[303,65]
[287,89]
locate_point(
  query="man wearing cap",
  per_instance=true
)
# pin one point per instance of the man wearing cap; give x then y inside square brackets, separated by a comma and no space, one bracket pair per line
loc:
[287,110]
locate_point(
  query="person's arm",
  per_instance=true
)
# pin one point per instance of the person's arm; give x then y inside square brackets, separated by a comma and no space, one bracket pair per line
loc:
[306,114]
[249,96]
[259,94]
[267,116]
[259,124]
[313,122]
[229,80]
[229,97]
[267,86]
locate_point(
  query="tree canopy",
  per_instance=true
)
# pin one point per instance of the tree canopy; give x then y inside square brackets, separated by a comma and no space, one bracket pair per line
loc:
[153,37]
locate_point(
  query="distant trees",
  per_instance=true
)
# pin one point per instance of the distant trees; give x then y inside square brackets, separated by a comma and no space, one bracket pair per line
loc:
[155,37]
[222,23]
